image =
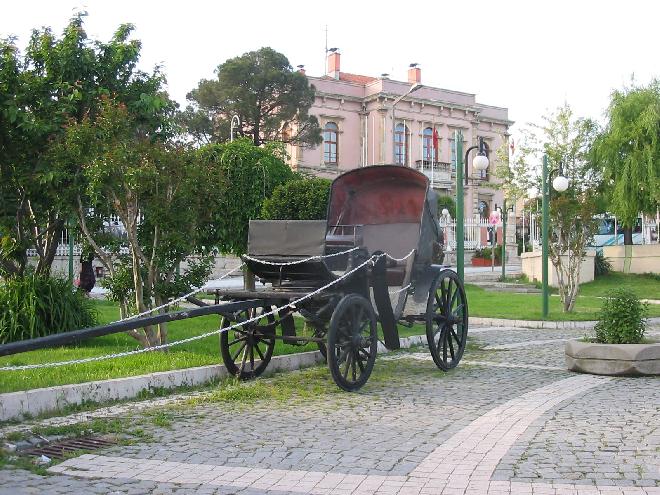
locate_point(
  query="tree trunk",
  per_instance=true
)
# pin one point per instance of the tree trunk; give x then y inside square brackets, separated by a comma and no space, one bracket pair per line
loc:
[627,236]
[50,248]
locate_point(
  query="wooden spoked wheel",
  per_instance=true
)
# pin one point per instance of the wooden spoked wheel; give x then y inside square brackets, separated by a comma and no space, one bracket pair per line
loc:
[447,320]
[246,350]
[352,342]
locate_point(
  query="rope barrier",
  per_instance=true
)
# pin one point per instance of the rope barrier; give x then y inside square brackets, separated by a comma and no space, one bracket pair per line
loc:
[297,262]
[291,304]
[199,289]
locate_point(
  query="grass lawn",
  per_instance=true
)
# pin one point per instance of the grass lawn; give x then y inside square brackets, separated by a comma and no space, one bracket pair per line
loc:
[528,306]
[197,353]
[206,351]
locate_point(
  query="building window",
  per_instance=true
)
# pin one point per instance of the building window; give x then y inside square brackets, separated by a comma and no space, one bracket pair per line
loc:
[427,144]
[452,157]
[330,133]
[401,144]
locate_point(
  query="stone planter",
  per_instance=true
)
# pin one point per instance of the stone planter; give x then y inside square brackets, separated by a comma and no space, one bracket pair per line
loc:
[613,359]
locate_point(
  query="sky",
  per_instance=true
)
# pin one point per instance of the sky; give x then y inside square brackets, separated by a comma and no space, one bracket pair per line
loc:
[528,56]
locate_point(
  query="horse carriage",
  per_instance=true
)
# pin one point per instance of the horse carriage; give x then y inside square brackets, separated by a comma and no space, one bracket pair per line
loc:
[380,239]
[381,235]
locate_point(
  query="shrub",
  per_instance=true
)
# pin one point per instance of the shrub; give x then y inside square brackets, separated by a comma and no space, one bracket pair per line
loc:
[34,306]
[302,199]
[621,319]
[447,202]
[601,265]
[486,253]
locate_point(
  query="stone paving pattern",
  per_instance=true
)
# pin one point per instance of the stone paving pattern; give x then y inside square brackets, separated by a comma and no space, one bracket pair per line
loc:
[602,438]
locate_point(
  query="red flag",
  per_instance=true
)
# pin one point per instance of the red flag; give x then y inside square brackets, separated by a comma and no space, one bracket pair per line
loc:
[435,142]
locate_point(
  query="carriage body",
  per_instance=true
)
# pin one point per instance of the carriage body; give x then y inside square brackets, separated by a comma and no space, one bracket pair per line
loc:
[381,237]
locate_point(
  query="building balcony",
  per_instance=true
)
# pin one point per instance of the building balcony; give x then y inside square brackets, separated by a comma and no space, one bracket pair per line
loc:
[439,173]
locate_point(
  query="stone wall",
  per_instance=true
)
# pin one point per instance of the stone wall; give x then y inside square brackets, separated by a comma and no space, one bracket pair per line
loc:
[531,266]
[642,258]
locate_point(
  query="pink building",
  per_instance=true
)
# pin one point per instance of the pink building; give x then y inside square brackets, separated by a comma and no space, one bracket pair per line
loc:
[375,120]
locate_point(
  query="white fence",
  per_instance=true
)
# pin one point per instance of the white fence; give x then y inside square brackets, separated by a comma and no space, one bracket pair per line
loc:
[475,233]
[112,226]
[645,233]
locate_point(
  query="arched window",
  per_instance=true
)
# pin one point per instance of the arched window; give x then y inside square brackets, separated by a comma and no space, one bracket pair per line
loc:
[401,144]
[330,141]
[427,143]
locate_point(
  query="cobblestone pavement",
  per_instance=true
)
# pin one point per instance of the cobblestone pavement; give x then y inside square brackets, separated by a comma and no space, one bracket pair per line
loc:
[509,419]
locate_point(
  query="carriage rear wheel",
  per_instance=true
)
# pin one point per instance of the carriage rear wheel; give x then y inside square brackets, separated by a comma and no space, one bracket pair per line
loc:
[352,342]
[246,350]
[447,320]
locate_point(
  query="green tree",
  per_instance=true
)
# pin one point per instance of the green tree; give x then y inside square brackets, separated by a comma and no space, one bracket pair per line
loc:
[251,174]
[303,199]
[567,141]
[164,199]
[57,82]
[271,100]
[628,150]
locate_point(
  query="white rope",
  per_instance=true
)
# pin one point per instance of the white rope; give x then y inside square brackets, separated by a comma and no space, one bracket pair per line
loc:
[178,299]
[297,262]
[412,251]
[291,304]
[199,289]
[400,290]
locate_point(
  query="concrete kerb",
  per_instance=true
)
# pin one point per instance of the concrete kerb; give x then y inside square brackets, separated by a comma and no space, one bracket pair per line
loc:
[578,325]
[18,405]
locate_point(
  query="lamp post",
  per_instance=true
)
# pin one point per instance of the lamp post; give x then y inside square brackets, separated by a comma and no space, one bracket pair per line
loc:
[412,89]
[504,212]
[559,184]
[480,162]
[231,126]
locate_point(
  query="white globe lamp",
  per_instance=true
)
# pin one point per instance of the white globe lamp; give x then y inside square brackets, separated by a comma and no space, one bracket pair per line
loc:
[533,192]
[560,183]
[480,163]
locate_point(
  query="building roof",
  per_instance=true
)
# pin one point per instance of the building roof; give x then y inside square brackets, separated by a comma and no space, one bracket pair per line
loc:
[354,78]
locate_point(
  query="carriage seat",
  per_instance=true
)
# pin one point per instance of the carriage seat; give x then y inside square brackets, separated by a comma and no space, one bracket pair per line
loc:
[342,237]
[397,240]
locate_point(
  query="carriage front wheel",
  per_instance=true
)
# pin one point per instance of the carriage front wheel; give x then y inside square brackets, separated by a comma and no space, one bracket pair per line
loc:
[447,320]
[247,349]
[352,342]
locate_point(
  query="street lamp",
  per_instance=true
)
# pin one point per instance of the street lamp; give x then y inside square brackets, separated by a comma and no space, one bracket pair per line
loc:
[231,127]
[504,212]
[412,89]
[480,162]
[559,184]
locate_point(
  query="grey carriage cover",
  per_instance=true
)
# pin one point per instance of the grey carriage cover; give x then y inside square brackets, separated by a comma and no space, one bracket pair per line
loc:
[286,237]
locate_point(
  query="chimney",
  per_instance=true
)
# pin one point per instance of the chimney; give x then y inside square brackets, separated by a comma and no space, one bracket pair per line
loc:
[414,74]
[333,63]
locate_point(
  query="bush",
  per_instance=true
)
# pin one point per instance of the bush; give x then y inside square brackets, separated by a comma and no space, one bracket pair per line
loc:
[621,319]
[34,306]
[302,199]
[447,202]
[486,253]
[601,265]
